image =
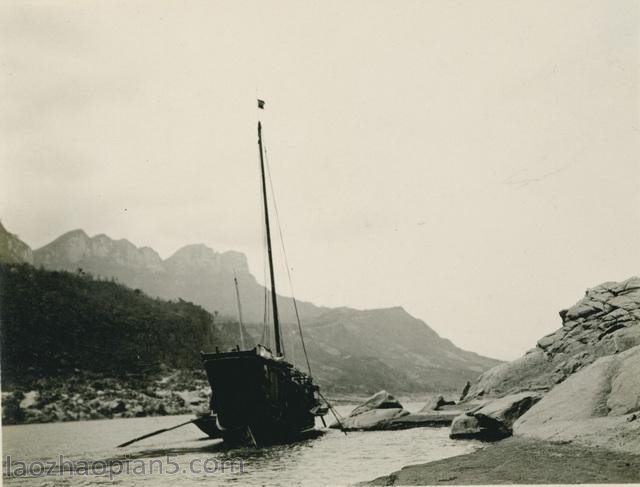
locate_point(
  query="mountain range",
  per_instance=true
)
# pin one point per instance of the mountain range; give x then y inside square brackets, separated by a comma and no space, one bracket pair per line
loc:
[350,350]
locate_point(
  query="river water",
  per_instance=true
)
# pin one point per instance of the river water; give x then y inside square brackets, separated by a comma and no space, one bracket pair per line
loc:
[84,453]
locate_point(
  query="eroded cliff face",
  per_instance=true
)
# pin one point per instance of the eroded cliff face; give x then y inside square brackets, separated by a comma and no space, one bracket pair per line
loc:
[584,379]
[605,322]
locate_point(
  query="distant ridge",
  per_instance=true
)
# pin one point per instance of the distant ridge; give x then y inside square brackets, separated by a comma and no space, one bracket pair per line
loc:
[194,272]
[351,350]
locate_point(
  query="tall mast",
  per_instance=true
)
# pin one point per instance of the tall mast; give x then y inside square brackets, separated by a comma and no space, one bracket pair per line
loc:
[274,301]
[235,281]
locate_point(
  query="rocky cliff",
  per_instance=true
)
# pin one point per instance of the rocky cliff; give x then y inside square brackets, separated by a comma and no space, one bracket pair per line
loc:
[579,384]
[604,322]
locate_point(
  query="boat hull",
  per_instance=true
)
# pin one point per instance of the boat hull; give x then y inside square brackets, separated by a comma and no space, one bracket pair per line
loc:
[259,399]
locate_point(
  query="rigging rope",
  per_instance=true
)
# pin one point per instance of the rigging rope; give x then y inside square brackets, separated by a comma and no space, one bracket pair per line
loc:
[336,414]
[286,261]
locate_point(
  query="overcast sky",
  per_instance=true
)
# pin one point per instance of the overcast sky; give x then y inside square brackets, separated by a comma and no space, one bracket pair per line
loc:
[474,162]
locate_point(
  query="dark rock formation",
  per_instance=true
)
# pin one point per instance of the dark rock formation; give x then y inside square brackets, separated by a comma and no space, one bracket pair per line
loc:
[494,420]
[465,390]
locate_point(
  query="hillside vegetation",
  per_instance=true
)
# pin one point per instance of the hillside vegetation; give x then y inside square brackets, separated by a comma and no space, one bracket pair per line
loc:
[58,323]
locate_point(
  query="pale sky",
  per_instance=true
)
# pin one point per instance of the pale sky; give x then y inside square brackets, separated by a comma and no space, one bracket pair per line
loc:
[476,162]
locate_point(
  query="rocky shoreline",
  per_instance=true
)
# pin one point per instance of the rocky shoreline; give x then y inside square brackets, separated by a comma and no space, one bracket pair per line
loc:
[89,396]
[86,396]
[569,408]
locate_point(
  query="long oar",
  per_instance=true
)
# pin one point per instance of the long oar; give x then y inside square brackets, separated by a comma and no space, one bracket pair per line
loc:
[148,435]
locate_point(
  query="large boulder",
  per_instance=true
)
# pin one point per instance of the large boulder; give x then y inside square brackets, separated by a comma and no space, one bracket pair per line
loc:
[597,406]
[374,419]
[433,419]
[605,322]
[383,412]
[374,414]
[395,419]
[494,420]
[380,400]
[529,372]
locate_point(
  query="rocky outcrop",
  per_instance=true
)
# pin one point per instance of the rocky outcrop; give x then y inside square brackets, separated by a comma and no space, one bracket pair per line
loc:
[529,372]
[588,371]
[376,419]
[396,419]
[435,404]
[373,414]
[383,412]
[605,322]
[380,400]
[433,419]
[494,420]
[597,406]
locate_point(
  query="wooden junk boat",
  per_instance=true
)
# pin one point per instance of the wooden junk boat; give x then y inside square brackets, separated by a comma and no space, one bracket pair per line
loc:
[258,397]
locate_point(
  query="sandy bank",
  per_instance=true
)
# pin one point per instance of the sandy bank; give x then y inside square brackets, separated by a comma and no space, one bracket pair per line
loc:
[522,461]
